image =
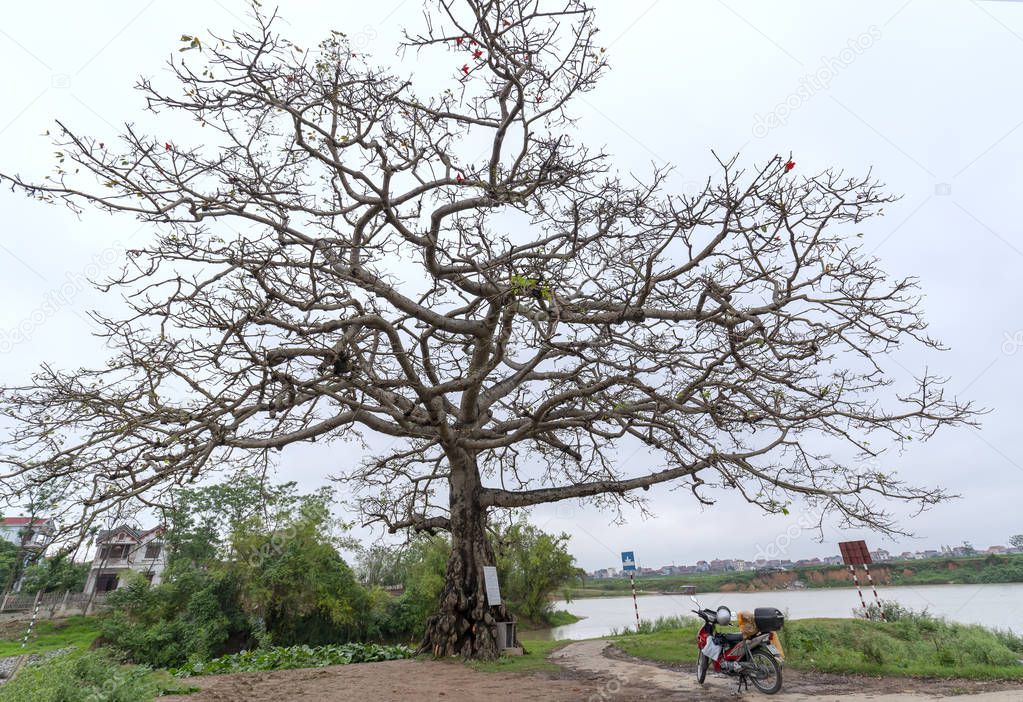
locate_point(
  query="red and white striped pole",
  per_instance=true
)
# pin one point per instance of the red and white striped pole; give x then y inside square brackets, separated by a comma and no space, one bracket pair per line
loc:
[635,605]
[877,598]
[858,590]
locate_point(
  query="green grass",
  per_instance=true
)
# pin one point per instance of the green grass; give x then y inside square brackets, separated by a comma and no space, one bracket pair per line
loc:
[534,660]
[915,646]
[560,617]
[88,676]
[73,632]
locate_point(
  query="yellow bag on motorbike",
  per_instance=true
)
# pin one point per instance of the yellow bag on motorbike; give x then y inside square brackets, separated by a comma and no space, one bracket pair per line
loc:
[747,624]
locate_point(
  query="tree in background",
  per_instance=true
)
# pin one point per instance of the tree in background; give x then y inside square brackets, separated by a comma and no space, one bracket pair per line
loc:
[1016,541]
[337,255]
[531,565]
[294,580]
[56,573]
[8,564]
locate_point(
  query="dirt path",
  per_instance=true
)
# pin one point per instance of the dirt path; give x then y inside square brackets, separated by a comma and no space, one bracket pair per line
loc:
[599,656]
[591,671]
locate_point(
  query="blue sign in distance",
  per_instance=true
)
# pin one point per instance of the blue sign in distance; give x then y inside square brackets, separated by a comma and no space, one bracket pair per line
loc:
[628,561]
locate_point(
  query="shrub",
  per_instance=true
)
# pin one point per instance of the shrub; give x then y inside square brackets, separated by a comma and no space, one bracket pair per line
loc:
[193,616]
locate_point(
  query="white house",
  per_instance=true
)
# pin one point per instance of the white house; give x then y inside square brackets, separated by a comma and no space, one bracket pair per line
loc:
[122,550]
[31,534]
[27,532]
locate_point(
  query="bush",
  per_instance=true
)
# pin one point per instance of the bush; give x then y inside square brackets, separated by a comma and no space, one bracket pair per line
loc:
[88,676]
[193,616]
[280,658]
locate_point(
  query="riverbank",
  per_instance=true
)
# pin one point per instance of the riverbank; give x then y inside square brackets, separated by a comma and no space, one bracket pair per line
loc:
[971,570]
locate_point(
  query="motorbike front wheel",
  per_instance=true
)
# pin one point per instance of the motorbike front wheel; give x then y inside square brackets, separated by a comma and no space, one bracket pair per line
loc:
[702,663]
[766,673]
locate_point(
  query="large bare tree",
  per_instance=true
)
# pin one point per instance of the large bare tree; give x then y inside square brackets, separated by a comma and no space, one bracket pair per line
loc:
[454,270]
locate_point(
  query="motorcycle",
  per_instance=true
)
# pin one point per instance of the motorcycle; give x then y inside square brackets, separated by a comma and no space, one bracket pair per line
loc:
[753,656]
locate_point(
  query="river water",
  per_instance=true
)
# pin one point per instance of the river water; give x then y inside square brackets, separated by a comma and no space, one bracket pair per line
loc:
[994,606]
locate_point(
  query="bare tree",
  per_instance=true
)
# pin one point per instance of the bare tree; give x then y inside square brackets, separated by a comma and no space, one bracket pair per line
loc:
[455,271]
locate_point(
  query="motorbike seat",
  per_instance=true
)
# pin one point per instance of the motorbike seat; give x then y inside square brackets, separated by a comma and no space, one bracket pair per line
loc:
[732,639]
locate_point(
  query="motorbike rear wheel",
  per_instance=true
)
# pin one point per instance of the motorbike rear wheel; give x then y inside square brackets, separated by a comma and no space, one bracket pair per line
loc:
[766,675]
[702,663]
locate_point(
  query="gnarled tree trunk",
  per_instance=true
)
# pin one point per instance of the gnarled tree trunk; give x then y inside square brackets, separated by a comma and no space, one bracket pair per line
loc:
[465,623]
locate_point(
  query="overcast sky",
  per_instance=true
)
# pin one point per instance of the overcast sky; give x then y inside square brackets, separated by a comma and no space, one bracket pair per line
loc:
[923,92]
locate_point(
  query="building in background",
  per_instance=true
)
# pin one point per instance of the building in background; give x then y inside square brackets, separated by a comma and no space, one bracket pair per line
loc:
[124,550]
[27,532]
[32,535]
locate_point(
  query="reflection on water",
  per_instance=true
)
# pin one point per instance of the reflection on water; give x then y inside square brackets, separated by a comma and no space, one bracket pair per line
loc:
[996,606]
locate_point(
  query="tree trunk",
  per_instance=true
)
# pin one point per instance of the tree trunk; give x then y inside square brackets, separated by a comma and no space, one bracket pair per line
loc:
[465,623]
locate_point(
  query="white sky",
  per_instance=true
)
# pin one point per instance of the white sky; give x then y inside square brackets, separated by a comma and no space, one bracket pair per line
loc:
[928,100]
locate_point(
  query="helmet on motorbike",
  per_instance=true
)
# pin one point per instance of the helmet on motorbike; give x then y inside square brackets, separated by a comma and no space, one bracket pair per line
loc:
[724,616]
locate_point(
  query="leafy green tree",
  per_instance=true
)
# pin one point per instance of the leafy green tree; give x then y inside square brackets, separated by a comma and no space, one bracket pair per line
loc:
[531,565]
[1016,541]
[296,582]
[194,616]
[55,574]
[8,564]
[202,520]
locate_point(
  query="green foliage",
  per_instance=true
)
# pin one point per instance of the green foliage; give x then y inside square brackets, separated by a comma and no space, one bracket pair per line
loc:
[88,676]
[913,644]
[58,573]
[531,564]
[204,519]
[8,560]
[421,565]
[661,624]
[193,616]
[280,658]
[240,575]
[294,580]
[51,634]
[1016,541]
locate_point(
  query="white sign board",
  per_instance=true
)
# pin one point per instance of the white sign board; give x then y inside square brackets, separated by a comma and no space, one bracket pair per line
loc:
[493,587]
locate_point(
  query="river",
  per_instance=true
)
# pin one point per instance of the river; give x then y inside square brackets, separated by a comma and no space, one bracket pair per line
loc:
[994,606]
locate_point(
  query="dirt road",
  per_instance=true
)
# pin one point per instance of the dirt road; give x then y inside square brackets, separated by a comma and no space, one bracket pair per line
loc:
[592,671]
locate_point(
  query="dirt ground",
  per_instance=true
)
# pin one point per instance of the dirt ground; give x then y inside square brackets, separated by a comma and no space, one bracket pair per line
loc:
[592,671]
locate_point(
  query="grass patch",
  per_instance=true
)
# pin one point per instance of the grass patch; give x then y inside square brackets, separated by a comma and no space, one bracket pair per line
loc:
[533,660]
[75,632]
[560,617]
[87,676]
[917,646]
[914,646]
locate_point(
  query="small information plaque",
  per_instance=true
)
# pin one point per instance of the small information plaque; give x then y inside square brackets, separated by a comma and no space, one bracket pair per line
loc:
[493,587]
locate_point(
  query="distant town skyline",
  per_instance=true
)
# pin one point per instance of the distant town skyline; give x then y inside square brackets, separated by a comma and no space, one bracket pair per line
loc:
[724,565]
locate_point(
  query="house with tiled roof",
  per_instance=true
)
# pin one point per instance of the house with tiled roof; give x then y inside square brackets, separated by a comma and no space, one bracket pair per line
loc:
[123,550]
[28,532]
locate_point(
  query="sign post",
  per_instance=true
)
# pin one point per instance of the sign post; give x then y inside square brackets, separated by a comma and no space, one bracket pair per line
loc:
[856,553]
[629,566]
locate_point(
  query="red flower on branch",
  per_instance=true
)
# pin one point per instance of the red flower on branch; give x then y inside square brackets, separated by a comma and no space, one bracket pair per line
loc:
[477,53]
[789,165]
[459,178]
[465,68]
[167,147]
[459,40]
